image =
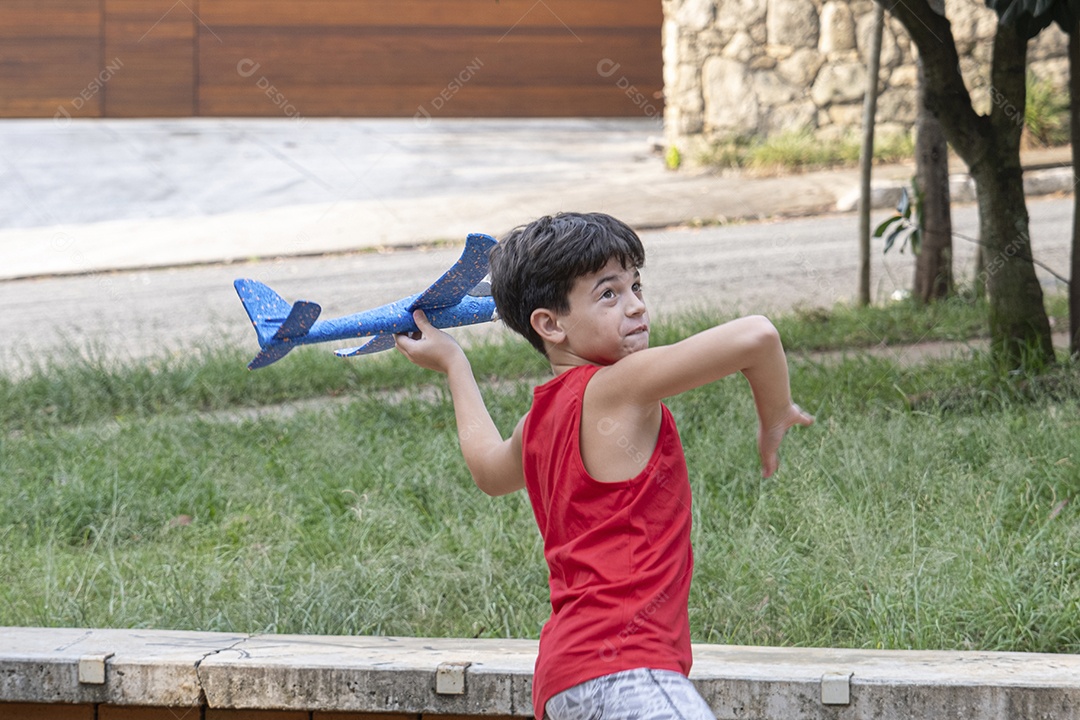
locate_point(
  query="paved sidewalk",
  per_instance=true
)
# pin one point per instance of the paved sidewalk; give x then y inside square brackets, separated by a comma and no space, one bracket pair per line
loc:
[90,196]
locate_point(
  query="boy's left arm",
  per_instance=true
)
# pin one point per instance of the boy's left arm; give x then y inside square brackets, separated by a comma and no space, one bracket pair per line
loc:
[495,463]
[750,345]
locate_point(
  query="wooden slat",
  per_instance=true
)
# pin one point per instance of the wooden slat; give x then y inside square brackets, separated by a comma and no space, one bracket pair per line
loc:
[155,41]
[133,712]
[45,711]
[28,19]
[67,64]
[291,59]
[502,15]
[40,78]
[221,714]
[392,101]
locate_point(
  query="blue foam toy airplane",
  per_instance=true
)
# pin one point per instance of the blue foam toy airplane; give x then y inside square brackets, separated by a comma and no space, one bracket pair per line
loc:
[457,298]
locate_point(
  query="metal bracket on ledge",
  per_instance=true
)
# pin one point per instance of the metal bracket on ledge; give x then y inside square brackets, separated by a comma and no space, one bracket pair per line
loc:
[450,678]
[92,668]
[836,688]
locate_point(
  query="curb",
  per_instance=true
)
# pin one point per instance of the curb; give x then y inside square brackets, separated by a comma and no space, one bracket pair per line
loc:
[478,677]
[1037,182]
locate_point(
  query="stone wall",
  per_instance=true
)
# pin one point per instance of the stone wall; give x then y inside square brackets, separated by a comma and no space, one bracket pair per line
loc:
[751,68]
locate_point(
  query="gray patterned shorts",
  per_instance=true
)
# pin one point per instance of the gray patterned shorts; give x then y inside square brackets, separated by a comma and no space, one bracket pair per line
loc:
[640,694]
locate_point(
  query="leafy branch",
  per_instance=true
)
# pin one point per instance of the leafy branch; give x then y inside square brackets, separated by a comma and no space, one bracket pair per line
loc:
[906,224]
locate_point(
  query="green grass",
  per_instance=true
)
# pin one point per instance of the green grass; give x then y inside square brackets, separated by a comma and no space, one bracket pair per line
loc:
[1046,113]
[931,506]
[802,151]
[210,379]
[215,378]
[843,326]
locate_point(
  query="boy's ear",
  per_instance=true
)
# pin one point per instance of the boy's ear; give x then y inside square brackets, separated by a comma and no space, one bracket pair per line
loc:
[547,326]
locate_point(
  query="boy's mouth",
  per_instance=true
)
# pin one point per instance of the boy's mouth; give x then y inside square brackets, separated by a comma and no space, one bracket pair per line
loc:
[639,329]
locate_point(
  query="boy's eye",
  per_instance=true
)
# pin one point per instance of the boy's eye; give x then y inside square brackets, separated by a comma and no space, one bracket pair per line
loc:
[607,294]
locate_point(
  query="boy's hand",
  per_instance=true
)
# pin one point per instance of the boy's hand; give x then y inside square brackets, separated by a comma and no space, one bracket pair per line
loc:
[431,349]
[769,437]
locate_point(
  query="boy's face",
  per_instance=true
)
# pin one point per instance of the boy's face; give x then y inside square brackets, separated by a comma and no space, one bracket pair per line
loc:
[607,319]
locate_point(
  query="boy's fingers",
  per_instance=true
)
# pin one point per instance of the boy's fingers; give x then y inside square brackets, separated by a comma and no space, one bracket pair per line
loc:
[768,466]
[421,320]
[802,417]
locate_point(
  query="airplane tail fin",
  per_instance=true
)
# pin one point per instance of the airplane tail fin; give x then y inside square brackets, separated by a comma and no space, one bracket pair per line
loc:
[277,324]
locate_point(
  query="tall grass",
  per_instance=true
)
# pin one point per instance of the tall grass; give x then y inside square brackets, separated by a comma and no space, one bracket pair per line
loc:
[215,378]
[931,506]
[1046,114]
[801,151]
[895,529]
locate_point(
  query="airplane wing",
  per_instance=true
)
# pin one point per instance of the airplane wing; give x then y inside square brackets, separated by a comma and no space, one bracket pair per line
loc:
[375,344]
[462,277]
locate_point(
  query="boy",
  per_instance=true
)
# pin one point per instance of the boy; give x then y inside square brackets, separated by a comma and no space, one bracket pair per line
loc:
[601,459]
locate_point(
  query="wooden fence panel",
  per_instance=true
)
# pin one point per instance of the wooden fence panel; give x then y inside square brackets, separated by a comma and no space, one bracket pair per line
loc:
[431,58]
[283,72]
[154,43]
[50,58]
[502,16]
[351,58]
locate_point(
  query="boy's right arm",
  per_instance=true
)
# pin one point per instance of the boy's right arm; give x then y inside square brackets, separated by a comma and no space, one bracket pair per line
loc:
[750,345]
[495,463]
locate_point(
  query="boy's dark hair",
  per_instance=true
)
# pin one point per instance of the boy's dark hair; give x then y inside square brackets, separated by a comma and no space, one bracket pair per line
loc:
[535,265]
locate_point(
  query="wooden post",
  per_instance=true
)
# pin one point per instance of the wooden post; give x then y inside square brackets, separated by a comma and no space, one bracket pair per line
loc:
[866,157]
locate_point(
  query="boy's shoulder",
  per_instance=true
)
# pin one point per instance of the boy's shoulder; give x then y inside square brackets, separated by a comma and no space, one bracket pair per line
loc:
[570,381]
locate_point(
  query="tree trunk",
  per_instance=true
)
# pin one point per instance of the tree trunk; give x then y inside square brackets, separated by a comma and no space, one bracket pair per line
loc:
[1074,132]
[933,263]
[978,285]
[1019,328]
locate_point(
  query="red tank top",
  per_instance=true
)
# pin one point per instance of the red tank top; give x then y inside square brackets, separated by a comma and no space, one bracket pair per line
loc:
[618,552]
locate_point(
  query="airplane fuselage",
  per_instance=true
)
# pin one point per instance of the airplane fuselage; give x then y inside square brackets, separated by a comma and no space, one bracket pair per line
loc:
[395,318]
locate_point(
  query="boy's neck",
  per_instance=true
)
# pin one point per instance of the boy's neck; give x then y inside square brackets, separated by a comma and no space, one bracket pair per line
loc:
[561,361]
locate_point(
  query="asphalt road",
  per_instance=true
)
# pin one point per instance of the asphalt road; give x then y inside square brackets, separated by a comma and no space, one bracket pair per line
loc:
[766,267]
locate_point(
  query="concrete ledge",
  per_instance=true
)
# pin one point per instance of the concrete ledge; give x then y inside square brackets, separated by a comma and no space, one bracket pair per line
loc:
[886,193]
[398,675]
